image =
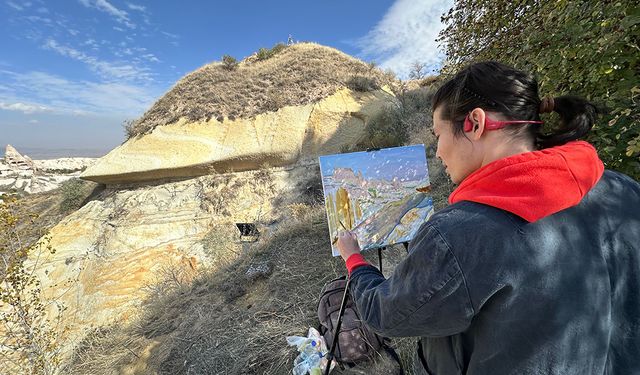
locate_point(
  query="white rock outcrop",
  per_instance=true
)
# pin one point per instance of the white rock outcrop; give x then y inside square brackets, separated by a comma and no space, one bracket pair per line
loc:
[19,173]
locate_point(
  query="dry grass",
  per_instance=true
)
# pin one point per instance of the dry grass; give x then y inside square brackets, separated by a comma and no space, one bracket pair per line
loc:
[295,75]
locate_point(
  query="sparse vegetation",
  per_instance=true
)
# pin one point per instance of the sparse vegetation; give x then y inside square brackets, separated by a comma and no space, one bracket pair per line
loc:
[221,243]
[311,189]
[74,193]
[295,75]
[229,62]
[402,123]
[417,70]
[267,53]
[28,337]
[65,170]
[384,130]
[129,128]
[362,83]
[429,80]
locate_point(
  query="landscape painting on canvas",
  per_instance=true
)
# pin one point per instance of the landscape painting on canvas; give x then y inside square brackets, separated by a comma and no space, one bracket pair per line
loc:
[381,196]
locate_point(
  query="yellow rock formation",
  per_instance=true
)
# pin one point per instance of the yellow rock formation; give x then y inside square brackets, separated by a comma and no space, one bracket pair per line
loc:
[275,138]
[112,250]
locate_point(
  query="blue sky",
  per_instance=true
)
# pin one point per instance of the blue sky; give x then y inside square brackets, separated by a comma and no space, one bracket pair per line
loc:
[71,71]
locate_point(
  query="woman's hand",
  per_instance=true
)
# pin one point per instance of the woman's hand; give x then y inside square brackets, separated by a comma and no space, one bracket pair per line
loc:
[347,244]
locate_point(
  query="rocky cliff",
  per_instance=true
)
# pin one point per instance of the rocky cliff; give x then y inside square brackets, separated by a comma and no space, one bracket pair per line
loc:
[283,137]
[111,252]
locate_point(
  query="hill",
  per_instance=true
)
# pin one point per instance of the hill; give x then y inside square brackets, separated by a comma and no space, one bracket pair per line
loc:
[293,75]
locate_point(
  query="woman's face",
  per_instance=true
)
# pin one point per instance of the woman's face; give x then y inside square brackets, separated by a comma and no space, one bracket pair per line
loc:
[458,154]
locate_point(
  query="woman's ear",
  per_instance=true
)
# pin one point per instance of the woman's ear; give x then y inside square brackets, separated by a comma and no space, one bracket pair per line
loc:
[477,117]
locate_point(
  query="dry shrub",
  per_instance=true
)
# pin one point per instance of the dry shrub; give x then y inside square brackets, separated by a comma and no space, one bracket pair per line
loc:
[416,117]
[362,83]
[429,80]
[229,62]
[30,338]
[223,190]
[129,127]
[298,211]
[171,277]
[296,75]
[108,350]
[385,129]
[310,188]
[267,53]
[417,120]
[75,193]
[221,244]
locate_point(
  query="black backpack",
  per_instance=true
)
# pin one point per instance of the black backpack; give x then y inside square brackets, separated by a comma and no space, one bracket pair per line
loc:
[356,341]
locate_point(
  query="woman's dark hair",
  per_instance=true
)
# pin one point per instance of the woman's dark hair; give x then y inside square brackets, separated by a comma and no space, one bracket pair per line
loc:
[499,88]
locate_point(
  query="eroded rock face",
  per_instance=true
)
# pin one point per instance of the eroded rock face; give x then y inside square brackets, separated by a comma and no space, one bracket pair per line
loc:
[276,139]
[15,160]
[19,172]
[111,250]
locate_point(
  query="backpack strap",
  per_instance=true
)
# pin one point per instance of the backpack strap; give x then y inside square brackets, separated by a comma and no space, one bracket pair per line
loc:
[343,305]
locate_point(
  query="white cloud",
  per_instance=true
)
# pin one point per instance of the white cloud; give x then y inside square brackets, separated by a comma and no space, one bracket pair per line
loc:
[173,38]
[26,108]
[40,20]
[170,35]
[42,92]
[106,7]
[106,69]
[91,43]
[33,121]
[137,7]
[151,57]
[406,34]
[14,5]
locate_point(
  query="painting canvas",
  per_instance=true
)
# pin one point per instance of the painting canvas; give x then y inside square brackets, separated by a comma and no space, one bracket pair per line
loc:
[382,196]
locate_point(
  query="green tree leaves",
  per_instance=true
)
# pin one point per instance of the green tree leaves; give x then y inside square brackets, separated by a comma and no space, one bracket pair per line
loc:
[584,48]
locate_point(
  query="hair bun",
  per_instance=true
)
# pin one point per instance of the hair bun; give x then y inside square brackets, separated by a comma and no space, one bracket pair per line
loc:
[546,105]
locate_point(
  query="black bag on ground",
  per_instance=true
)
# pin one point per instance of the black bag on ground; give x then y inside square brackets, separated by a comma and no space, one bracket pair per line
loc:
[356,341]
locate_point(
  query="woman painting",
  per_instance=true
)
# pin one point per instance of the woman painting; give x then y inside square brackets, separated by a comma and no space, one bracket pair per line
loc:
[534,268]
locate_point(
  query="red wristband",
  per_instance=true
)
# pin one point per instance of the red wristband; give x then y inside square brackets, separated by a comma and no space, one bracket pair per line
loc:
[354,261]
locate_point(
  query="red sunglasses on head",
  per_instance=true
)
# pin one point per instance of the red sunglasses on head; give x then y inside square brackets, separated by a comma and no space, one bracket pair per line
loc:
[490,124]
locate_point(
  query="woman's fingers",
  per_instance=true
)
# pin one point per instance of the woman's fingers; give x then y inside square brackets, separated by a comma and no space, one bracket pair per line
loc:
[347,244]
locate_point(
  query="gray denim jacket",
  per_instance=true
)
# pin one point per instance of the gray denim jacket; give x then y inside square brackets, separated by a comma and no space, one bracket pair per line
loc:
[489,293]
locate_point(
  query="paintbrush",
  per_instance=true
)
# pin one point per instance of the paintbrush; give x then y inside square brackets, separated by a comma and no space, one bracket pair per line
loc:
[343,226]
